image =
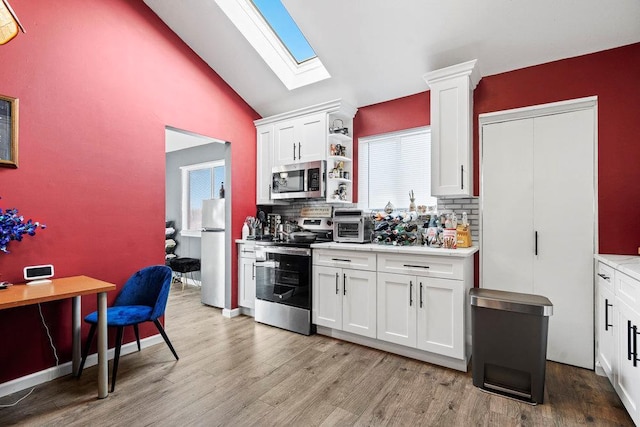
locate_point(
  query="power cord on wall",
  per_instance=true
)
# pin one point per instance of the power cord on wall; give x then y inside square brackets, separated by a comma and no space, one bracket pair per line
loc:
[55,354]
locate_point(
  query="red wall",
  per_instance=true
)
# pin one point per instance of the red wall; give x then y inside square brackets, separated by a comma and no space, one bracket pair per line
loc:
[98,80]
[610,75]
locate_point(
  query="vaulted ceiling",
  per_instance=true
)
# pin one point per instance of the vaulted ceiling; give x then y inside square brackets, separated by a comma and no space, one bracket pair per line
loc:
[377,50]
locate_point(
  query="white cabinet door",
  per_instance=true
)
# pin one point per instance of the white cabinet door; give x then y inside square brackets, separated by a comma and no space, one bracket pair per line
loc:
[302,139]
[247,283]
[627,382]
[441,320]
[327,297]
[605,316]
[359,302]
[507,206]
[564,201]
[312,137]
[397,309]
[264,162]
[285,143]
[451,109]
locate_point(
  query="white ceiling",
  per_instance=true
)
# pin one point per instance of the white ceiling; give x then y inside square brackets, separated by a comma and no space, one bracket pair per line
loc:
[377,50]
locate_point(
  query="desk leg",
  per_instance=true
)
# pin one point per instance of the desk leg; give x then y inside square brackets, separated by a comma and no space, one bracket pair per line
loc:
[103,363]
[76,342]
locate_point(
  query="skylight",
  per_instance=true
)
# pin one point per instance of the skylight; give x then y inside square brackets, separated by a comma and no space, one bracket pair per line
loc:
[283,25]
[295,64]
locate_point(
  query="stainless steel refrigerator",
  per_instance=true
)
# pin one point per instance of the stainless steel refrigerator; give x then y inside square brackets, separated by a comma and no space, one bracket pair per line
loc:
[213,252]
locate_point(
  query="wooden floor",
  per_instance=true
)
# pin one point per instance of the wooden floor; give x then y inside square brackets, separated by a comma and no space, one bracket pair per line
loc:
[236,372]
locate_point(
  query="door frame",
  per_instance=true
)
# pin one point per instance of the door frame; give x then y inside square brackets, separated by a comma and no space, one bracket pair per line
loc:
[531,112]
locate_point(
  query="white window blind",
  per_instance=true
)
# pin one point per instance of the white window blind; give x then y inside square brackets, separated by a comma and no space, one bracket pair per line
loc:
[391,165]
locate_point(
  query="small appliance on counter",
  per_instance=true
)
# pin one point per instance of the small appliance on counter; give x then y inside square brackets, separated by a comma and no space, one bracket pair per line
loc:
[351,226]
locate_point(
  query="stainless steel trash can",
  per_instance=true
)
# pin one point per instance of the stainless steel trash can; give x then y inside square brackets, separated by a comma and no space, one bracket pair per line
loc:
[509,342]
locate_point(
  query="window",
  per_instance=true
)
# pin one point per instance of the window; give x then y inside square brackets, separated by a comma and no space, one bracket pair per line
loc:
[393,164]
[283,25]
[199,182]
[261,27]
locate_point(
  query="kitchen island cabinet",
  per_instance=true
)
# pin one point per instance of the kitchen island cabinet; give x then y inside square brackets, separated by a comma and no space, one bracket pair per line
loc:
[421,304]
[618,326]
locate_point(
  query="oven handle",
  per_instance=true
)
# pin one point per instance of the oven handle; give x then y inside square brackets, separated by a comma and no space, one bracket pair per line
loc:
[304,252]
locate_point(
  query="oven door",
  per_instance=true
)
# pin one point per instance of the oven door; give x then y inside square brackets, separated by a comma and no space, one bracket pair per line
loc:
[283,276]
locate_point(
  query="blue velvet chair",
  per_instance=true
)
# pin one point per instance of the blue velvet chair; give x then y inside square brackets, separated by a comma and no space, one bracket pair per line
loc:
[142,299]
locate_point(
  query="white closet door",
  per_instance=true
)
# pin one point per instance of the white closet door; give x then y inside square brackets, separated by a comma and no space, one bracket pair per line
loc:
[507,206]
[564,220]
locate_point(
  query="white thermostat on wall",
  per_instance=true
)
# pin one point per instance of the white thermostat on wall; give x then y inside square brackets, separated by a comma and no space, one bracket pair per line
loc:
[38,274]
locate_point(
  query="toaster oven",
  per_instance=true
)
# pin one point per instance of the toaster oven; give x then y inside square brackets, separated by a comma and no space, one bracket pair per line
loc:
[351,226]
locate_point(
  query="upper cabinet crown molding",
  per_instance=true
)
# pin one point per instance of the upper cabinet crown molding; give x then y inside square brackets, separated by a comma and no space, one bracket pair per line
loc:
[336,107]
[452,129]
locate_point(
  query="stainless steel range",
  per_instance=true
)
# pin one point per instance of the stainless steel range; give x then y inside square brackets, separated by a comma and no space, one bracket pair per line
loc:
[283,279]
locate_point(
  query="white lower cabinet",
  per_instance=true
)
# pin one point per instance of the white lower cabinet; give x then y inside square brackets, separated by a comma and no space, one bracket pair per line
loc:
[627,380]
[345,299]
[410,304]
[618,330]
[421,312]
[246,276]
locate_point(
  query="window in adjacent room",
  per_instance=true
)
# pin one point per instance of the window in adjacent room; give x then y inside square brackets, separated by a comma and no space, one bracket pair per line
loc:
[391,165]
[200,181]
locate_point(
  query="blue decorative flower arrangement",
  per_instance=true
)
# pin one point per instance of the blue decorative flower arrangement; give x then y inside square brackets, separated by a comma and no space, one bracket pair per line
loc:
[13,227]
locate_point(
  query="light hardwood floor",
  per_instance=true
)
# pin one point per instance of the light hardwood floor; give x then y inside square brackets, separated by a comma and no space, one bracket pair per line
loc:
[236,372]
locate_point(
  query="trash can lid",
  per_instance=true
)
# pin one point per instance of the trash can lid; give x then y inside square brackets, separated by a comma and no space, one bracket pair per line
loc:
[511,301]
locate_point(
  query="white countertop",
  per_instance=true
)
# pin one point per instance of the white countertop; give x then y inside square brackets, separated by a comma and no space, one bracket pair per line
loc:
[415,250]
[628,264]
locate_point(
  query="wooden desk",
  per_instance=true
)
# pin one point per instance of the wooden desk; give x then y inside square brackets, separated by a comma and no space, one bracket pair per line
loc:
[69,287]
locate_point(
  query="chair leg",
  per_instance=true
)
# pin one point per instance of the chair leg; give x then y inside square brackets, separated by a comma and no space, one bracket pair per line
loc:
[116,358]
[135,329]
[87,346]
[166,338]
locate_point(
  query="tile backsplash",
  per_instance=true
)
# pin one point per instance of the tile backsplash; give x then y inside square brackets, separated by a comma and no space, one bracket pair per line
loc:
[470,205]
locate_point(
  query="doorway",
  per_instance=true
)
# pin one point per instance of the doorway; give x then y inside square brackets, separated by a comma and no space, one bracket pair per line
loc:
[183,150]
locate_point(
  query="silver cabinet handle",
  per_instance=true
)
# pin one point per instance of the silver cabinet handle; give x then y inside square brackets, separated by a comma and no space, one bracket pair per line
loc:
[410,293]
[604,276]
[337,284]
[294,151]
[420,294]
[299,151]
[416,266]
[344,284]
[254,271]
[462,177]
[341,259]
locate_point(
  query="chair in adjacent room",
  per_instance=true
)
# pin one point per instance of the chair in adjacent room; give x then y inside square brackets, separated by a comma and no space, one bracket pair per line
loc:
[142,299]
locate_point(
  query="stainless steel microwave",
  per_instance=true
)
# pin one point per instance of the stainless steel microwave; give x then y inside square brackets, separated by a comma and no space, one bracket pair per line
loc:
[299,181]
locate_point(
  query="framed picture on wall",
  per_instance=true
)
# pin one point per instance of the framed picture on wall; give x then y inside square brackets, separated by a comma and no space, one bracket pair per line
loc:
[8,132]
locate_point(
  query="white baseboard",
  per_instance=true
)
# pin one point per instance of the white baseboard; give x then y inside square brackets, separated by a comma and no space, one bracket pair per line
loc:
[52,373]
[230,313]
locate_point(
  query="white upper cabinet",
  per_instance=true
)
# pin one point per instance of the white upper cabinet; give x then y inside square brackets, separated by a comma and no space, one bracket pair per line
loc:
[452,128]
[300,140]
[302,136]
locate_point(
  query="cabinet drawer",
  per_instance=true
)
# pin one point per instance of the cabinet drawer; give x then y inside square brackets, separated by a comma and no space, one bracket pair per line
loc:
[357,260]
[246,250]
[628,290]
[422,265]
[604,275]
